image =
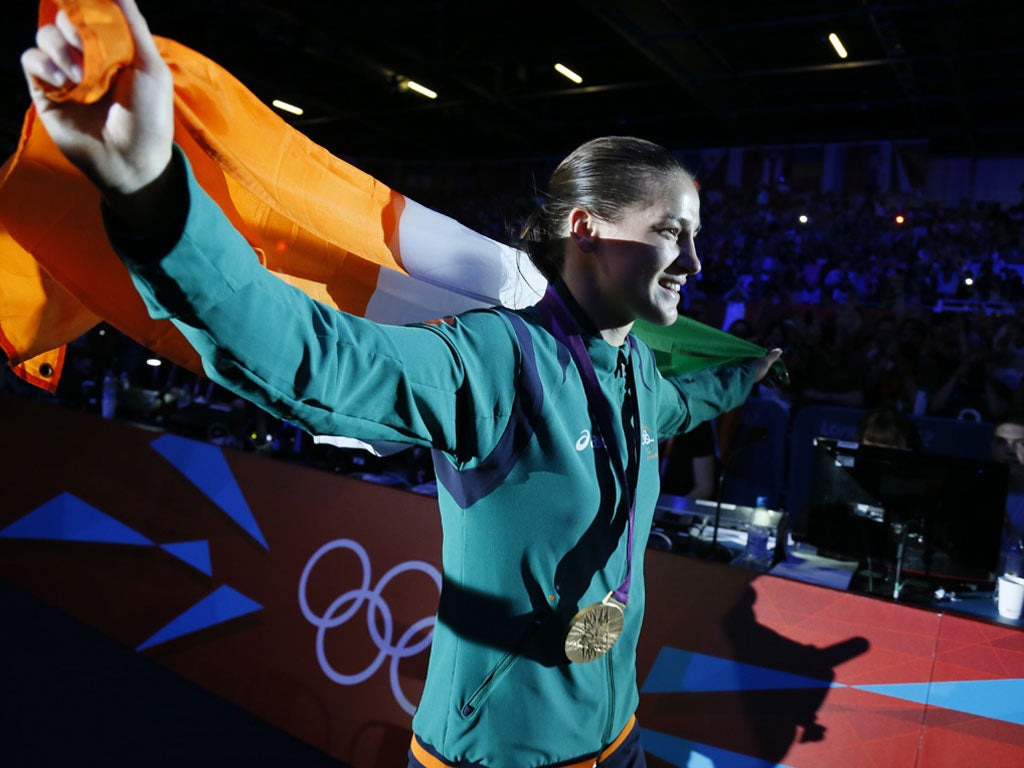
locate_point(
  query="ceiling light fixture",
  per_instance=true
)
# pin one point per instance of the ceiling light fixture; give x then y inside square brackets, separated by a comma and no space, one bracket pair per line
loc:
[422,90]
[284,106]
[566,72]
[838,45]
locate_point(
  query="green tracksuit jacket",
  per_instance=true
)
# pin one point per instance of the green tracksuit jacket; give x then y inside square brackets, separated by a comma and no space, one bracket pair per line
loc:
[533,528]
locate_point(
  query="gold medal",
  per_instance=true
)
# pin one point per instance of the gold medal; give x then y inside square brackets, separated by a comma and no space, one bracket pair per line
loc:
[594,630]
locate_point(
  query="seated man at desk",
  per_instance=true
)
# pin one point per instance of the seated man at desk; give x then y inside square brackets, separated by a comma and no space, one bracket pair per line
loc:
[1008,447]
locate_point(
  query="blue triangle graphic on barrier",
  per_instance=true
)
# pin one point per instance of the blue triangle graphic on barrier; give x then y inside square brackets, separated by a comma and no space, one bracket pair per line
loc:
[691,754]
[195,553]
[995,699]
[677,671]
[222,605]
[68,518]
[205,466]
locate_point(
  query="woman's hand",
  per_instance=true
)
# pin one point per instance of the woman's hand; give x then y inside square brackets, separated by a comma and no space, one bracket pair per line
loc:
[766,362]
[123,142]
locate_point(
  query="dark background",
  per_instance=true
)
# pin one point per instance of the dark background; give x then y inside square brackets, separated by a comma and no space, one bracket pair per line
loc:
[684,73]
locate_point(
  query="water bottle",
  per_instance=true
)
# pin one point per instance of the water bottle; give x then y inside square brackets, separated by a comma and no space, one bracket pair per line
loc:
[755,554]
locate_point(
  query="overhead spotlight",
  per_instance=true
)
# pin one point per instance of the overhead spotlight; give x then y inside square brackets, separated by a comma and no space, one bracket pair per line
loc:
[838,45]
[153,362]
[803,218]
[968,281]
[284,106]
[564,71]
[900,219]
[422,90]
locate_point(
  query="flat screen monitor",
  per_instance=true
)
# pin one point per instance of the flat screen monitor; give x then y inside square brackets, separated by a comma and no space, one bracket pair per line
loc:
[947,511]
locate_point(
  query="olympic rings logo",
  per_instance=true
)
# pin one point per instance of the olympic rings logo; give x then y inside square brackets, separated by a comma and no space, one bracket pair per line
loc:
[337,614]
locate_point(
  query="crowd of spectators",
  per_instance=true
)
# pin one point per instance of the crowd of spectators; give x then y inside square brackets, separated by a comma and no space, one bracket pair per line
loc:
[876,302]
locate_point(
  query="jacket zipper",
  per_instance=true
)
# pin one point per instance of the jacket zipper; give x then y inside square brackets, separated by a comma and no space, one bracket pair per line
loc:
[606,739]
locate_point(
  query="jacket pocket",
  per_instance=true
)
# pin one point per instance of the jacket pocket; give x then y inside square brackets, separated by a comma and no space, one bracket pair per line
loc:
[498,671]
[490,683]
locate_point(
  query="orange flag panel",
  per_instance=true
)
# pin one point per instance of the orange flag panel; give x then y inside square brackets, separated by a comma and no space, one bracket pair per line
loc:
[313,219]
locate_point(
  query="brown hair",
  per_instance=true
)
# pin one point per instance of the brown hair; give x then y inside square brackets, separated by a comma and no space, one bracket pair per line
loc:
[606,176]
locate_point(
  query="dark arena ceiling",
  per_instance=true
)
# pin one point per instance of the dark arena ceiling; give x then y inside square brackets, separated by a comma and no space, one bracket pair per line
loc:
[689,74]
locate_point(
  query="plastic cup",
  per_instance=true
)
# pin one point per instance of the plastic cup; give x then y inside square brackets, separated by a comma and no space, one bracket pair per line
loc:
[1011,596]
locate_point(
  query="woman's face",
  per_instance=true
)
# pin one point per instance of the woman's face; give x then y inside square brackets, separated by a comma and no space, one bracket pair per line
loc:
[643,260]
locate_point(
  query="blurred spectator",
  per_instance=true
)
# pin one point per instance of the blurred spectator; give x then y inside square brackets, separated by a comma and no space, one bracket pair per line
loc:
[887,427]
[1008,349]
[834,373]
[891,367]
[962,384]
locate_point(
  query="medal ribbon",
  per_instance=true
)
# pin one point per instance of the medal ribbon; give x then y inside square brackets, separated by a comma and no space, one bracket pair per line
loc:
[565,328]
